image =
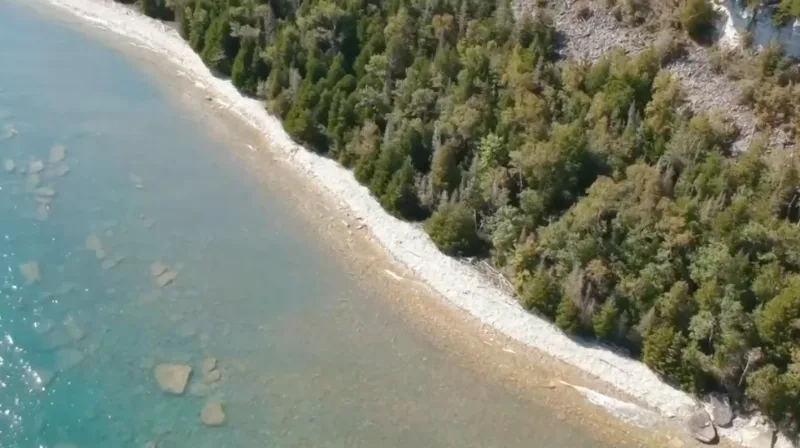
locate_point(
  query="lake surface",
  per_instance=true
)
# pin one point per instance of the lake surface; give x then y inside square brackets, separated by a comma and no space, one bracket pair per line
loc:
[109,177]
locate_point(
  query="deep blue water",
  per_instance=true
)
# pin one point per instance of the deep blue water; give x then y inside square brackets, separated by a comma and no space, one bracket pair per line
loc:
[300,367]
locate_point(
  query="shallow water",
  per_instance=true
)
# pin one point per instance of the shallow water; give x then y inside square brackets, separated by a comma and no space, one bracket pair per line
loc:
[307,357]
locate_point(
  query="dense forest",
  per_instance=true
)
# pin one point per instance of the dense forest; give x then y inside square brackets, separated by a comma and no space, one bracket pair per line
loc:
[614,210]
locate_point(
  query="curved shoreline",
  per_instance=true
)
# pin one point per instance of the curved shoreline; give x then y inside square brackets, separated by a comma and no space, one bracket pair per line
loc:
[459,283]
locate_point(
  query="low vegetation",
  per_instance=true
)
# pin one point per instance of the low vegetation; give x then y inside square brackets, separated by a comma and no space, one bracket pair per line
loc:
[614,211]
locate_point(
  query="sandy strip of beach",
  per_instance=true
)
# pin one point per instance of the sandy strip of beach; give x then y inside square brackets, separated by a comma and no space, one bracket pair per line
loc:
[414,260]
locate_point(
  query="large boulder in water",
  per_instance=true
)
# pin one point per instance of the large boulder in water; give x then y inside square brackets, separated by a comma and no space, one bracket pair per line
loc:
[702,428]
[172,378]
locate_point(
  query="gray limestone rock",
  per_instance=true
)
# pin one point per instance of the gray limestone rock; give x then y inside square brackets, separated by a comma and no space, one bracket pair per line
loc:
[702,428]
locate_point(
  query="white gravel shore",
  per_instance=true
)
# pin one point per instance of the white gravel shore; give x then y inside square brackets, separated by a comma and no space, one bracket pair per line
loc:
[408,244]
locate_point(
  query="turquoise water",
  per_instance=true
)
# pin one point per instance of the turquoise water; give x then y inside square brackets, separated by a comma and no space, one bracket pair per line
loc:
[307,357]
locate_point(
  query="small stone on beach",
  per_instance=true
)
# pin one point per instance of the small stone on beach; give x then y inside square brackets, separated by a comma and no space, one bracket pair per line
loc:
[213,414]
[30,271]
[172,378]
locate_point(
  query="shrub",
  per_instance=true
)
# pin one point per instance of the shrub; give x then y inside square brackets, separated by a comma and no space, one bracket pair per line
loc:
[452,229]
[697,18]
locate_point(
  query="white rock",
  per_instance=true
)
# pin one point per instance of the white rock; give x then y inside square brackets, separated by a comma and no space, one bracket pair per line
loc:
[9,165]
[213,414]
[172,378]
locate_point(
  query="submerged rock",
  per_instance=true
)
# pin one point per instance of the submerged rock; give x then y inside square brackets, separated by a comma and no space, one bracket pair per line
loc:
[43,327]
[36,167]
[62,170]
[65,288]
[9,165]
[158,268]
[212,376]
[209,364]
[10,132]
[57,153]
[112,262]
[32,182]
[43,213]
[701,427]
[722,412]
[47,192]
[213,414]
[30,271]
[149,297]
[94,243]
[172,378]
[73,329]
[38,379]
[68,358]
[166,278]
